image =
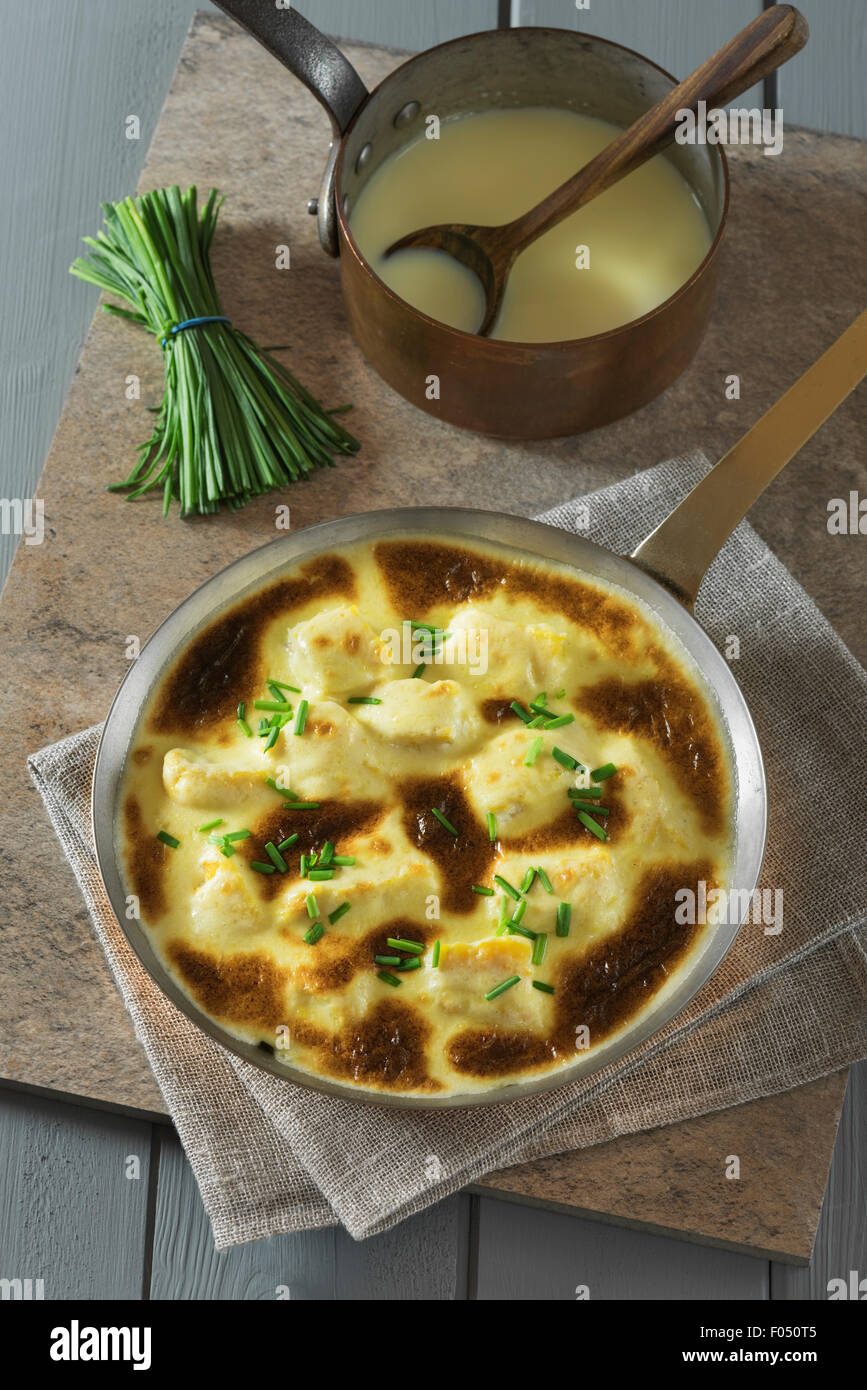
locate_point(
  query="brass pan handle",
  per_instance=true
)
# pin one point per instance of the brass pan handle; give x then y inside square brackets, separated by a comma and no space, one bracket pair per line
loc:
[682,547]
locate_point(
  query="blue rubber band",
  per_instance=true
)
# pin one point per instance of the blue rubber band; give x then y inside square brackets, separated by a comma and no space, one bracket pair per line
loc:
[193,323]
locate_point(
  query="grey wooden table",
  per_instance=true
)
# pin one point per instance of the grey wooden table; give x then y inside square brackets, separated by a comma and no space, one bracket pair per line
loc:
[98,1204]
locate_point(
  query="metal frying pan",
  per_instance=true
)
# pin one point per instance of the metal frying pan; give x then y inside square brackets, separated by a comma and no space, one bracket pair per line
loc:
[663,573]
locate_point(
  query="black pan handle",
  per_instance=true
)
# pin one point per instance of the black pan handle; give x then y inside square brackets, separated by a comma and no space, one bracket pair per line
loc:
[307,53]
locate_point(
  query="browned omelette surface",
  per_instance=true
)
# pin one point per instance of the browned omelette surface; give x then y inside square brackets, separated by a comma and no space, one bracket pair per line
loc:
[400,752]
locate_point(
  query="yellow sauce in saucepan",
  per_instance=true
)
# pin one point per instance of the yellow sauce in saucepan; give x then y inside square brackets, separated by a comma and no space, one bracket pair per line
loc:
[613,261]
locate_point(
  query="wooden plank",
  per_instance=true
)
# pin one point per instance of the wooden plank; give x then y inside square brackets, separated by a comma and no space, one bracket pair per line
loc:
[423,1259]
[824,87]
[186,1265]
[841,1241]
[532,1255]
[74,1190]
[677,34]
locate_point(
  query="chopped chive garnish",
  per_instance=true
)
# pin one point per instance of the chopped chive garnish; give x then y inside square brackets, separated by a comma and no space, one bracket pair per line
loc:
[538,722]
[272,737]
[527,880]
[262,868]
[564,917]
[492,827]
[312,859]
[310,904]
[320,875]
[540,704]
[281,685]
[280,706]
[276,857]
[314,933]
[501,988]
[387,960]
[533,752]
[287,844]
[242,709]
[343,861]
[544,879]
[300,805]
[263,728]
[301,717]
[583,792]
[482,891]
[414,964]
[592,806]
[168,839]
[515,929]
[270,782]
[226,850]
[415,948]
[599,774]
[560,722]
[546,989]
[338,912]
[443,821]
[237,835]
[539,947]
[210,825]
[518,914]
[593,826]
[425,627]
[327,854]
[419,671]
[507,887]
[565,759]
[520,711]
[302,866]
[386,978]
[248,732]
[363,700]
[560,694]
[503,919]
[435,955]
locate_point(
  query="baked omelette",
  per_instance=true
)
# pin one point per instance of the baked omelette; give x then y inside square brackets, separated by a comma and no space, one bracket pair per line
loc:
[413,817]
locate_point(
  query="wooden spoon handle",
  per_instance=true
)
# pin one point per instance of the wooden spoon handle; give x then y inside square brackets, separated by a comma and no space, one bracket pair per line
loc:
[766,43]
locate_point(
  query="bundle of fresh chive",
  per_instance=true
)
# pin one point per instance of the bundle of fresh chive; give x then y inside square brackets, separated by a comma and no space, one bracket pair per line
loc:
[234,423]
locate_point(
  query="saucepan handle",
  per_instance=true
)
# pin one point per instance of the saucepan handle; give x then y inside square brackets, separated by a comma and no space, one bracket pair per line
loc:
[680,550]
[307,53]
[325,72]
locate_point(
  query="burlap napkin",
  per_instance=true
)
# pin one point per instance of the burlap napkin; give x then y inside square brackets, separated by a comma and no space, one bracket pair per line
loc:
[782,1009]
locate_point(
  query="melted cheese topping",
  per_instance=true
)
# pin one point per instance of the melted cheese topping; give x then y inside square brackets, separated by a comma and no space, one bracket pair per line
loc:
[384,746]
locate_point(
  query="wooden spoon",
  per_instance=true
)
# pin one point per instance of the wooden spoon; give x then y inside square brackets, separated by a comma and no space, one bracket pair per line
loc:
[764,45]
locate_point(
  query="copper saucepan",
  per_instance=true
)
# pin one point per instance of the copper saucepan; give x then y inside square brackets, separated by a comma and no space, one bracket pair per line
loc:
[663,574]
[514,390]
